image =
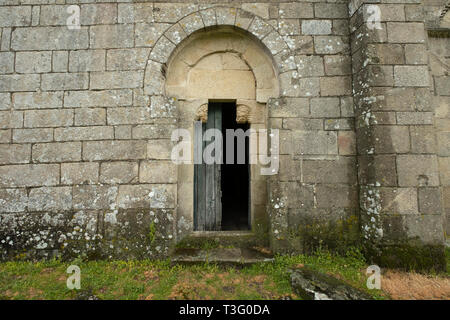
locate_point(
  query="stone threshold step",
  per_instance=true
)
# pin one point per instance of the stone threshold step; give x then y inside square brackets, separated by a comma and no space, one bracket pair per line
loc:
[221,256]
[238,239]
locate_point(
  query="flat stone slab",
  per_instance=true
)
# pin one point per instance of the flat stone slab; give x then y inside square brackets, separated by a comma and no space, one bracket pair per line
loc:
[222,256]
[313,285]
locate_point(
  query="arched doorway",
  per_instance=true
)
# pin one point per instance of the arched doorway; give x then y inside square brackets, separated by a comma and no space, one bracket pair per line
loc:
[222,77]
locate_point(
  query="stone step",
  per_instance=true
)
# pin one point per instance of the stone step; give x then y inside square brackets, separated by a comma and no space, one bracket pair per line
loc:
[238,239]
[221,256]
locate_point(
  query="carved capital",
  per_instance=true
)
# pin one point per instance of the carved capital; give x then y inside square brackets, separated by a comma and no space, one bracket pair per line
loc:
[242,113]
[202,113]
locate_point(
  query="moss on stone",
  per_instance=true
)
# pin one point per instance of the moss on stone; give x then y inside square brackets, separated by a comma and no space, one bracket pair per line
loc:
[333,235]
[408,256]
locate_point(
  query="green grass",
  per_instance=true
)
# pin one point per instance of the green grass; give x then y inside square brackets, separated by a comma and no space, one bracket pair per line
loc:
[159,280]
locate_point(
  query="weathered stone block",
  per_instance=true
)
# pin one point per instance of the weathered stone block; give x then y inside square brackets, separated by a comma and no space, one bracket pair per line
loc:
[122,132]
[147,195]
[331,45]
[32,135]
[406,32]
[172,12]
[160,149]
[84,133]
[11,119]
[15,16]
[60,61]
[444,170]
[114,150]
[415,118]
[50,199]
[341,170]
[79,173]
[335,86]
[33,62]
[65,81]
[29,175]
[157,172]
[293,86]
[48,118]
[134,115]
[106,98]
[337,65]
[162,50]
[116,79]
[385,53]
[315,142]
[87,60]
[443,144]
[417,170]
[423,139]
[127,59]
[338,124]
[15,153]
[414,12]
[302,124]
[330,10]
[325,107]
[147,34]
[56,152]
[13,200]
[296,10]
[399,200]
[377,170]
[5,136]
[288,27]
[6,62]
[275,43]
[309,66]
[411,76]
[99,13]
[343,196]
[111,36]
[430,201]
[157,131]
[163,107]
[443,85]
[19,82]
[37,100]
[90,116]
[346,143]
[289,107]
[94,197]
[49,38]
[416,54]
[298,196]
[316,27]
[5,101]
[119,172]
[391,139]
[135,12]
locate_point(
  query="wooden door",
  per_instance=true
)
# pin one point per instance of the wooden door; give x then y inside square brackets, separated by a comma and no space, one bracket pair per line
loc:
[207,191]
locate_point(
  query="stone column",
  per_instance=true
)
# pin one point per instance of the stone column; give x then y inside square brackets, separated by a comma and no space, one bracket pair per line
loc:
[400,196]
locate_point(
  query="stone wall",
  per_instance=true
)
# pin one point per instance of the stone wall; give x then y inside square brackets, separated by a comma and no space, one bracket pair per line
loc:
[438,22]
[85,125]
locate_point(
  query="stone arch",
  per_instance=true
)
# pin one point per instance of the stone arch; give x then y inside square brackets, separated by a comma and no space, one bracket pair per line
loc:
[214,38]
[241,21]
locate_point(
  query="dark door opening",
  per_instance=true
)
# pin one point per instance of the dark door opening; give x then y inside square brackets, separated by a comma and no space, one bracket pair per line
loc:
[221,191]
[235,176]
